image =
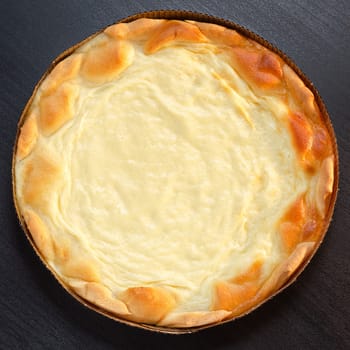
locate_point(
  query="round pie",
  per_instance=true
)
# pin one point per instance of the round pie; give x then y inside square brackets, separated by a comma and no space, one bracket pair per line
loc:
[174,173]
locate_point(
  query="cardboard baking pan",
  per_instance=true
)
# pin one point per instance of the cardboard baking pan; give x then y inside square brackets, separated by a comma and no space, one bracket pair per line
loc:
[184,15]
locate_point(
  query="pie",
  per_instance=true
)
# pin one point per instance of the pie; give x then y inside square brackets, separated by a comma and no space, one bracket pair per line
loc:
[174,172]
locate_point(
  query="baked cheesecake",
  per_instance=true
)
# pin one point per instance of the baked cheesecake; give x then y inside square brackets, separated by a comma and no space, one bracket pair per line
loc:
[174,173]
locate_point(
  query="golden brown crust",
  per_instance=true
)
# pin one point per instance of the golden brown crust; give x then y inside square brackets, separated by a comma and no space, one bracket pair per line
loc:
[40,234]
[302,222]
[321,144]
[291,226]
[65,70]
[173,31]
[27,137]
[80,268]
[141,29]
[251,274]
[118,31]
[229,295]
[301,133]
[220,35]
[148,304]
[39,177]
[105,61]
[57,108]
[311,141]
[101,296]
[260,67]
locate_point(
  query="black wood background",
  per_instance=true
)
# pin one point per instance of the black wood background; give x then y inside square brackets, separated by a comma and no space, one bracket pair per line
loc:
[36,313]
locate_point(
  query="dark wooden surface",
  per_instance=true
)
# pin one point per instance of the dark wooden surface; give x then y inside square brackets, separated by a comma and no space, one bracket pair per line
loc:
[36,313]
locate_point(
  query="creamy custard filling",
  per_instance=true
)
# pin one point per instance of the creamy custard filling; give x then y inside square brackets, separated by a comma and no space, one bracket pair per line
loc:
[176,174]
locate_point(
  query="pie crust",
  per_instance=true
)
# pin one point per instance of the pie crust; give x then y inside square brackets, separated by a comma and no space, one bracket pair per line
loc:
[174,172]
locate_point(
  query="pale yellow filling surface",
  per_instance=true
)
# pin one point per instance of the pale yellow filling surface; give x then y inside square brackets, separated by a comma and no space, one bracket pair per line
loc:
[175,175]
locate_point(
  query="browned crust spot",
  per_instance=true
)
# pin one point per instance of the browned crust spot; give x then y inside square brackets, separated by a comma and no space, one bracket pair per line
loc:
[250,275]
[148,304]
[101,296]
[302,138]
[118,31]
[321,144]
[141,29]
[65,70]
[39,177]
[27,137]
[233,294]
[291,225]
[81,269]
[311,229]
[302,221]
[220,35]
[173,31]
[260,67]
[301,133]
[40,234]
[230,296]
[107,60]
[311,141]
[57,108]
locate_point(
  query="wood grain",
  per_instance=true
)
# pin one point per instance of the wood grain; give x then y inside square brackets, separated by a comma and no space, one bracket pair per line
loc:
[35,313]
